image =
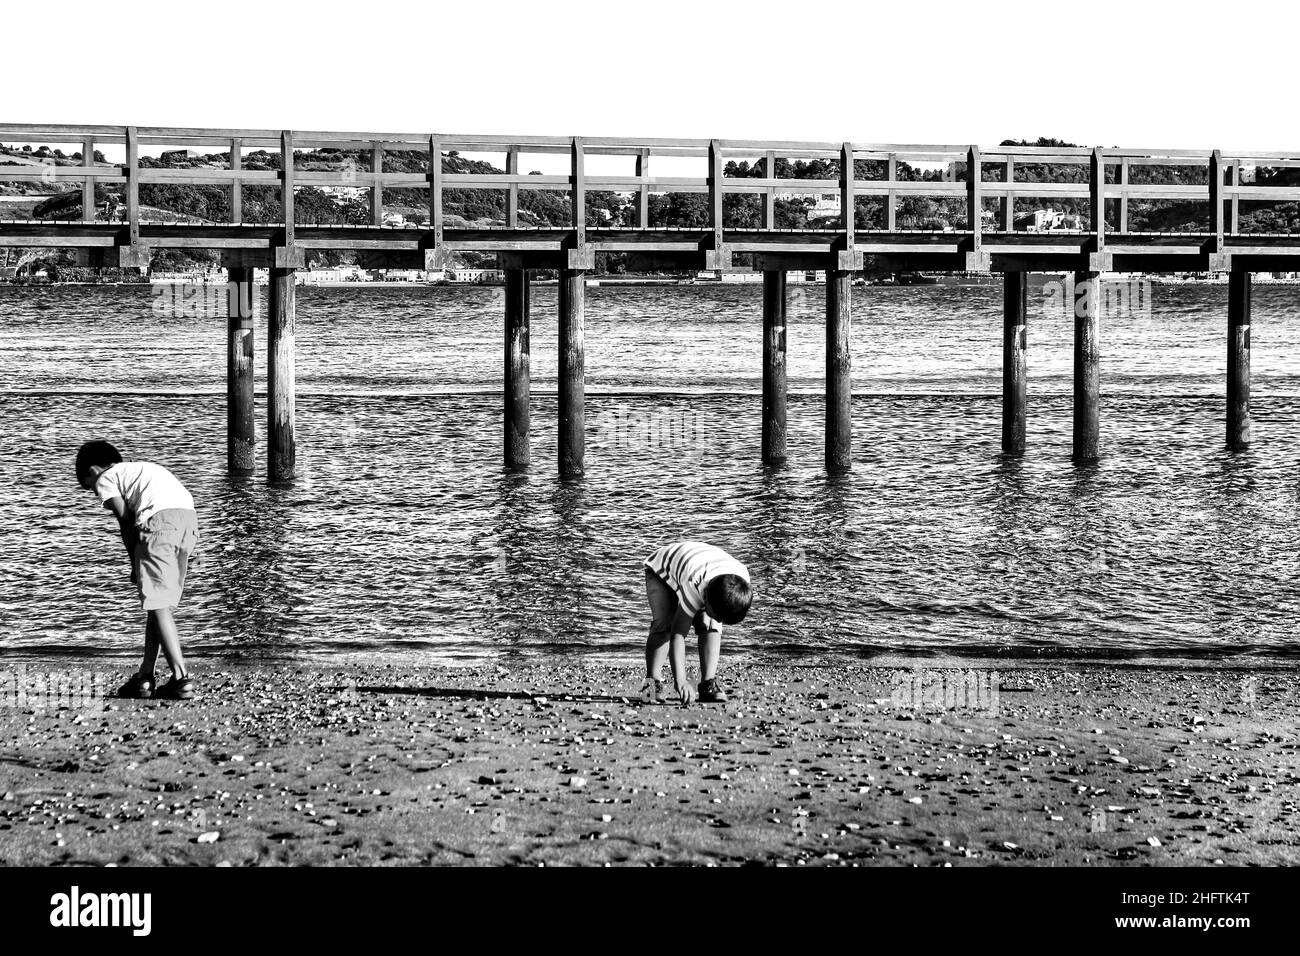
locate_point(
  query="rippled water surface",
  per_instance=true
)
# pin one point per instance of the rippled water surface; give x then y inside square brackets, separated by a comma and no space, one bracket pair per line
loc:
[403,534]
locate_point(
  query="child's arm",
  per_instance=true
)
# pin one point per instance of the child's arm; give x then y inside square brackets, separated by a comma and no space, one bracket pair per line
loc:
[677,656]
[126,524]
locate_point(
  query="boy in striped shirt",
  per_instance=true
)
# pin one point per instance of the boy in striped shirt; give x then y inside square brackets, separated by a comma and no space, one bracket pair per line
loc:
[690,583]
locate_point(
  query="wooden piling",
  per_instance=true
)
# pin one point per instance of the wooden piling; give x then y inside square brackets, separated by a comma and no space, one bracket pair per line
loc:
[1015,299]
[571,372]
[517,386]
[774,377]
[839,394]
[1087,366]
[281,449]
[1238,360]
[240,300]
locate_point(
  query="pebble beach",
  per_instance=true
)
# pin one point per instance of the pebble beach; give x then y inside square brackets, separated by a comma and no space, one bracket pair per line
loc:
[563,764]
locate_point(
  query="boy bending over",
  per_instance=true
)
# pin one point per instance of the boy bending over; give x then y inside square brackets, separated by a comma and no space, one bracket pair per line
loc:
[690,583]
[160,529]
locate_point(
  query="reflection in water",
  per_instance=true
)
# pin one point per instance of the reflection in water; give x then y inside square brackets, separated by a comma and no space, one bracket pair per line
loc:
[246,552]
[1002,551]
[775,550]
[574,605]
[513,613]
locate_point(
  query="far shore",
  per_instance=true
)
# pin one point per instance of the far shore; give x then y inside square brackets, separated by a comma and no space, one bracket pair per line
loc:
[561,763]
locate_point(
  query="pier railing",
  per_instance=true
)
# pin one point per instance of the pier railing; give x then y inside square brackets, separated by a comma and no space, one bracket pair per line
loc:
[871,181]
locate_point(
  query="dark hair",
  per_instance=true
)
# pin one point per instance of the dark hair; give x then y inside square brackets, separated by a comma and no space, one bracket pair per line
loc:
[94,453]
[728,597]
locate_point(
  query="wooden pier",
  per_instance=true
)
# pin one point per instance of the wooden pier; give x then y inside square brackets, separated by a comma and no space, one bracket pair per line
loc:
[868,176]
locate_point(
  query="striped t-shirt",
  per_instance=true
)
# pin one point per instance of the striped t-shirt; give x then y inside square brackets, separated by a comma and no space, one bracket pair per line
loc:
[688,566]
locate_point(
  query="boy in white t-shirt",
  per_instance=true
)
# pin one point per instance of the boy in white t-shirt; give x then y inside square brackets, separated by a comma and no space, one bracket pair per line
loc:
[160,530]
[690,583]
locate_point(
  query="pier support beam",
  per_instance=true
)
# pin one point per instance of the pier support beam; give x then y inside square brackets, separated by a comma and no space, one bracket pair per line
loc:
[281,448]
[572,362]
[1087,366]
[774,377]
[1015,299]
[839,366]
[1238,360]
[240,299]
[517,385]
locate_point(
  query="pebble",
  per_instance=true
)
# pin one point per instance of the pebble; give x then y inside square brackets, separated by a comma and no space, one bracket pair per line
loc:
[210,837]
[913,799]
[577,783]
[1153,841]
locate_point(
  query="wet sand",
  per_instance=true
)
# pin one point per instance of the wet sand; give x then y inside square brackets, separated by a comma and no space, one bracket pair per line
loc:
[562,764]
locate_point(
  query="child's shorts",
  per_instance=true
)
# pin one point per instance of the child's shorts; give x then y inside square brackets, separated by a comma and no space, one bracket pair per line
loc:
[663,608]
[162,556]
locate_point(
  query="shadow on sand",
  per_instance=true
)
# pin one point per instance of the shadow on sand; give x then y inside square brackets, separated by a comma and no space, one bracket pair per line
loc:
[469,693]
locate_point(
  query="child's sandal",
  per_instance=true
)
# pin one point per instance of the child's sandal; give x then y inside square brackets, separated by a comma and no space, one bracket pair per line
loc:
[139,687]
[178,688]
[652,691]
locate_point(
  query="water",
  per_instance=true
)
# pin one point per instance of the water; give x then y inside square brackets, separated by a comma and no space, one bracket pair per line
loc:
[403,536]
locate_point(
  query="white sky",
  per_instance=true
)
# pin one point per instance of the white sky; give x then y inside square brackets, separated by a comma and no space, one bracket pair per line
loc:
[1131,73]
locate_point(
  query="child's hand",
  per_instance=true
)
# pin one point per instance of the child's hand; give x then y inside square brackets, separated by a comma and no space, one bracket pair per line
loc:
[686,692]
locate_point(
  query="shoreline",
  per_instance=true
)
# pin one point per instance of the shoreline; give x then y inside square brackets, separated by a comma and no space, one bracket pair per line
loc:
[944,281]
[425,658]
[546,763]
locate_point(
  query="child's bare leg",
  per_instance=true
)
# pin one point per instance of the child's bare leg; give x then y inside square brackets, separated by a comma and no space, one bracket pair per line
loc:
[165,627]
[150,645]
[656,654]
[663,607]
[710,646]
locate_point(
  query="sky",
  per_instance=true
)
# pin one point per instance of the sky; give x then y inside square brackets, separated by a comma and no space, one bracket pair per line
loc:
[1103,73]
